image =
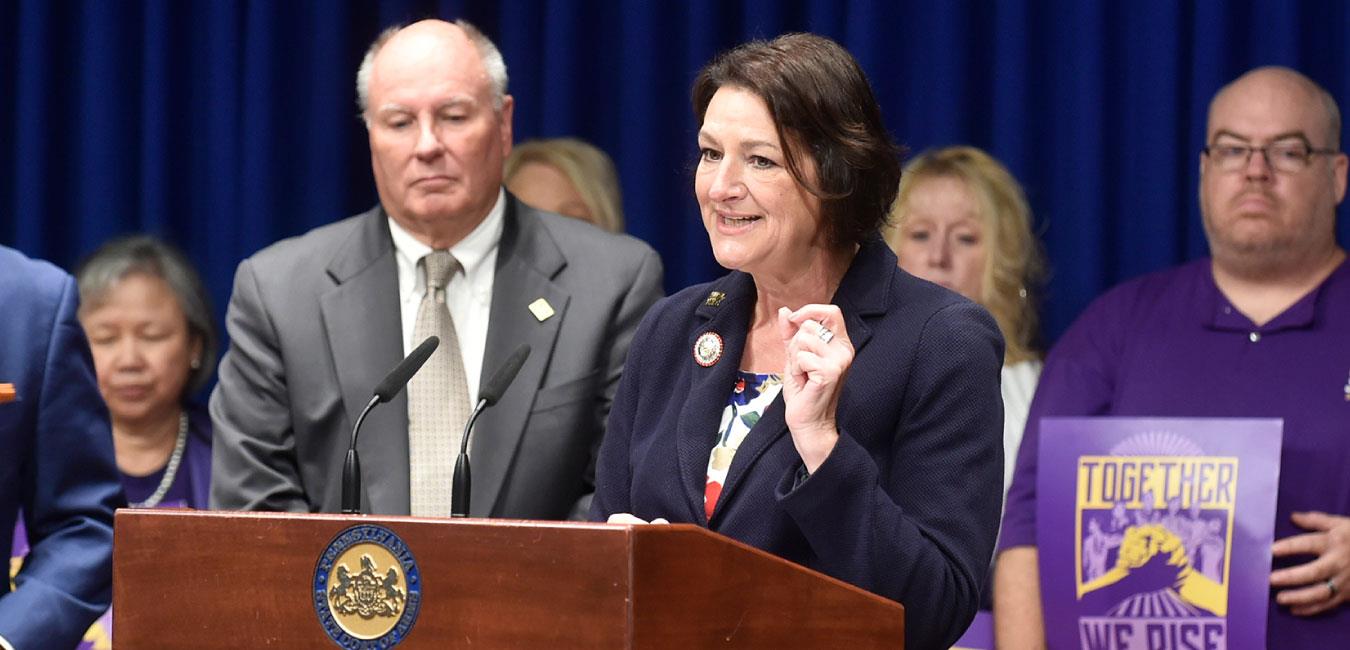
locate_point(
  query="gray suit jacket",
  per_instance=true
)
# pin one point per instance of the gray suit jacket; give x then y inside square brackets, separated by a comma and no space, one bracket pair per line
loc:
[314,324]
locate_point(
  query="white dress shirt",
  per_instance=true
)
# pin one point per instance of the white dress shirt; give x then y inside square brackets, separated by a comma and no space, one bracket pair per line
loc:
[468,294]
[1019,386]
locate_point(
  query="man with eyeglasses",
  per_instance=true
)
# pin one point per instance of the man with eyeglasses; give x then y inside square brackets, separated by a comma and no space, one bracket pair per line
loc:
[1260,329]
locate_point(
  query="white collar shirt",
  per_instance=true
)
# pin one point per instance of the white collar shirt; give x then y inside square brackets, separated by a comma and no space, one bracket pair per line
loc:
[468,294]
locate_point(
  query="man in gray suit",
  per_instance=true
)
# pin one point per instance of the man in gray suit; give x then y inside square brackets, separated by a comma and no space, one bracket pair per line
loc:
[316,321]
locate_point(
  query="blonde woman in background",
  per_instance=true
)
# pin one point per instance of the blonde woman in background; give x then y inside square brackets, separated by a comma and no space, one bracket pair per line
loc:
[569,177]
[961,220]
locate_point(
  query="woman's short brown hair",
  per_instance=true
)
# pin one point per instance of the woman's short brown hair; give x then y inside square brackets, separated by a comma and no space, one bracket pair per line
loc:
[820,102]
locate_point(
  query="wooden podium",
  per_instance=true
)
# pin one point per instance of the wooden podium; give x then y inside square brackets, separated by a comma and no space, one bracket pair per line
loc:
[192,579]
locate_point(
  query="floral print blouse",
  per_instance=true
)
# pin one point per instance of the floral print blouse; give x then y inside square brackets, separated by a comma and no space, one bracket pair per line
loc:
[750,396]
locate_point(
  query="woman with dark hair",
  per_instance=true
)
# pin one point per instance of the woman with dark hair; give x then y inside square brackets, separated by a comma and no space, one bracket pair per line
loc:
[816,402]
[151,332]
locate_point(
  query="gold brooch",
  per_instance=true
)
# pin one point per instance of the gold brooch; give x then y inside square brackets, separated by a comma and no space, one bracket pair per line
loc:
[541,310]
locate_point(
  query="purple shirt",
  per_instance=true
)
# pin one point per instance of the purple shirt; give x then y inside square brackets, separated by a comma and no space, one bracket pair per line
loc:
[191,485]
[1170,344]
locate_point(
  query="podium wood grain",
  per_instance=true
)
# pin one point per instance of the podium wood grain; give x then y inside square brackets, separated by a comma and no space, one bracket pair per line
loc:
[226,580]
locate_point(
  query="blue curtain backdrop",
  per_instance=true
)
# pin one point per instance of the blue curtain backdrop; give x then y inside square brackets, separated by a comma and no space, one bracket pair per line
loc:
[226,125]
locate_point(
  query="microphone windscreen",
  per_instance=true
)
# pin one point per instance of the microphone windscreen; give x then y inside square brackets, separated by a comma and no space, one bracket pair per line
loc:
[399,376]
[501,380]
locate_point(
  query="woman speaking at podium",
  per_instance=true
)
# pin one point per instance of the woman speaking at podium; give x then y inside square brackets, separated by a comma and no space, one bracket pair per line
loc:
[816,402]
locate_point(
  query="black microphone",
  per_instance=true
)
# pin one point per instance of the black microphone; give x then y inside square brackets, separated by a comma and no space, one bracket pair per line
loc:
[488,394]
[385,391]
[399,376]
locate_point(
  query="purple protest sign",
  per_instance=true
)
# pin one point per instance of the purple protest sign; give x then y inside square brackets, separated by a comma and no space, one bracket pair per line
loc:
[1155,533]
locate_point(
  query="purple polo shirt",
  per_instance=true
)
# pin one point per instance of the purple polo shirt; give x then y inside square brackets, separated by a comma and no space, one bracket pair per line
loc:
[1170,344]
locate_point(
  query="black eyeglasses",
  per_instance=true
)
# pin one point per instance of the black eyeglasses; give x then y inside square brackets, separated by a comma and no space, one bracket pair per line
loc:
[1290,155]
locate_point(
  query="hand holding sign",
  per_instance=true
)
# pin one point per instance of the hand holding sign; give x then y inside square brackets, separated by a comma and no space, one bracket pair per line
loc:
[1319,585]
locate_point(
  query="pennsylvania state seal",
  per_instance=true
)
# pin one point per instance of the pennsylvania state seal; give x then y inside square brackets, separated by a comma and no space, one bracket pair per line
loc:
[367,588]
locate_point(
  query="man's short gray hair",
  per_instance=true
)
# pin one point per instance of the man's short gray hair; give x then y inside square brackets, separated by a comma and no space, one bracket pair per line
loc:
[487,51]
[120,258]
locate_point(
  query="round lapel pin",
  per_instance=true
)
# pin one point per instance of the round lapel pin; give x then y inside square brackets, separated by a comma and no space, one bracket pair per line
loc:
[708,349]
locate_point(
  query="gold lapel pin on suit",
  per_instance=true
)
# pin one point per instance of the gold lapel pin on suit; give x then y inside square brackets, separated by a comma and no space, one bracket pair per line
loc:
[542,310]
[7,393]
[708,347]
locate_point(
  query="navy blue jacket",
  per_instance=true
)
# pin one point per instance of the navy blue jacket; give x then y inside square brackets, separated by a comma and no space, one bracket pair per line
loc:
[56,461]
[907,503]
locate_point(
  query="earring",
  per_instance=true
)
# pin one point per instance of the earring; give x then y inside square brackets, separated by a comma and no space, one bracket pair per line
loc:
[196,363]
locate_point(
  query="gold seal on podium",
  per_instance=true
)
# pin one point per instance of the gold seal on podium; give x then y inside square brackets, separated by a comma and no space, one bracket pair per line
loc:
[367,587]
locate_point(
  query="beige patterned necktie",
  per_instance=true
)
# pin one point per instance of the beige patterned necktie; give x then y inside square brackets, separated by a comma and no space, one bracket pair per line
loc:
[438,396]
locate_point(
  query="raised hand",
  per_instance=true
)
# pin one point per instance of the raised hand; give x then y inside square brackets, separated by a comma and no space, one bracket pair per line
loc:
[817,354]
